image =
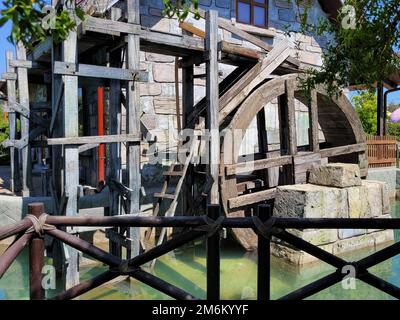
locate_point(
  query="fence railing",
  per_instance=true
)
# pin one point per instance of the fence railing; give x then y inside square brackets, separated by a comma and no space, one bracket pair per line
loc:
[31,229]
[382,151]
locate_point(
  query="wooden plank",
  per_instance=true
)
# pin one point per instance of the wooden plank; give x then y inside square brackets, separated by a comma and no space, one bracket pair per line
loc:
[86,147]
[23,64]
[164,196]
[238,93]
[256,165]
[212,97]
[173,173]
[336,151]
[251,198]
[192,29]
[381,142]
[291,113]
[313,116]
[9,76]
[23,92]
[71,152]
[41,49]
[230,48]
[133,125]
[132,137]
[93,71]
[167,40]
[106,26]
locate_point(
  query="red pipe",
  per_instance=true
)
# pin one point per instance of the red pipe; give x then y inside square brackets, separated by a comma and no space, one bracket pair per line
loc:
[100,131]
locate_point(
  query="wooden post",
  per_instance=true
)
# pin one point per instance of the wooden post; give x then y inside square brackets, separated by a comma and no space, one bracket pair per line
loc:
[213,257]
[287,130]
[23,93]
[212,96]
[313,116]
[115,148]
[36,257]
[11,97]
[187,108]
[264,257]
[133,125]
[71,152]
[380,128]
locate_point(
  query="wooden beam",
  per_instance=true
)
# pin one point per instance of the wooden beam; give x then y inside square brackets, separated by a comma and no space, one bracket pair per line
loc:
[192,29]
[212,97]
[71,152]
[251,198]
[337,151]
[185,44]
[133,126]
[106,26]
[94,139]
[240,90]
[93,71]
[256,165]
[239,50]
[23,91]
[41,49]
[313,116]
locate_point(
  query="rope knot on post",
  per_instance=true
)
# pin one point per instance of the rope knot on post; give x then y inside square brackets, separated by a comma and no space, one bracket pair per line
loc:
[265,229]
[211,226]
[39,225]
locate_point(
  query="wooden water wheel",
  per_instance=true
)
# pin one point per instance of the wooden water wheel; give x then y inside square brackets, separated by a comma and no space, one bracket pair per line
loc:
[244,183]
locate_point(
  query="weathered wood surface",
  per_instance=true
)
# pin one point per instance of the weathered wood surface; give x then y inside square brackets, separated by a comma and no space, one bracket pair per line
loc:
[314,127]
[23,92]
[238,93]
[133,125]
[109,26]
[71,152]
[335,151]
[87,70]
[256,165]
[94,139]
[212,96]
[251,198]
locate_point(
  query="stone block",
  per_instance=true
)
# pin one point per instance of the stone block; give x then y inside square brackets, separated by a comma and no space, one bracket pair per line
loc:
[354,243]
[349,233]
[163,72]
[385,216]
[338,175]
[317,237]
[385,195]
[374,197]
[150,89]
[155,57]
[358,207]
[383,236]
[206,3]
[310,201]
[223,3]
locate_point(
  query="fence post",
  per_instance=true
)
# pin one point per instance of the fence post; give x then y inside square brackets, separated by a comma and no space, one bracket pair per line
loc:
[213,256]
[36,257]
[264,257]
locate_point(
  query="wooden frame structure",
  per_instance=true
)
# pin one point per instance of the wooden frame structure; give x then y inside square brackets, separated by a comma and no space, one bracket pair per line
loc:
[108,52]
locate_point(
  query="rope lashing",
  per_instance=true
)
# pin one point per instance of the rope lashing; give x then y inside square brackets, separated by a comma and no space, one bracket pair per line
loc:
[39,225]
[265,229]
[211,226]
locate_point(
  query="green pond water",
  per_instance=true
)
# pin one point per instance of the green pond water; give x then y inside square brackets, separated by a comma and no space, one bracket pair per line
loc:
[186,269]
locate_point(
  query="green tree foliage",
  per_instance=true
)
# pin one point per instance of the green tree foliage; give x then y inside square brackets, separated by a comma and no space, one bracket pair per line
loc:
[31,19]
[365,105]
[361,45]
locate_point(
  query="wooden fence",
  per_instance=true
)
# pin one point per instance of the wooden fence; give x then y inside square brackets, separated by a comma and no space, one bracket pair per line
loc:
[382,151]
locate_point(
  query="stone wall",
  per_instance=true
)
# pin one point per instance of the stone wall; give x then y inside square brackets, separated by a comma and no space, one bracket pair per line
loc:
[350,197]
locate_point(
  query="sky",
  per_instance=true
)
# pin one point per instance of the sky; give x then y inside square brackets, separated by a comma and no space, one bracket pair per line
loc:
[5,45]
